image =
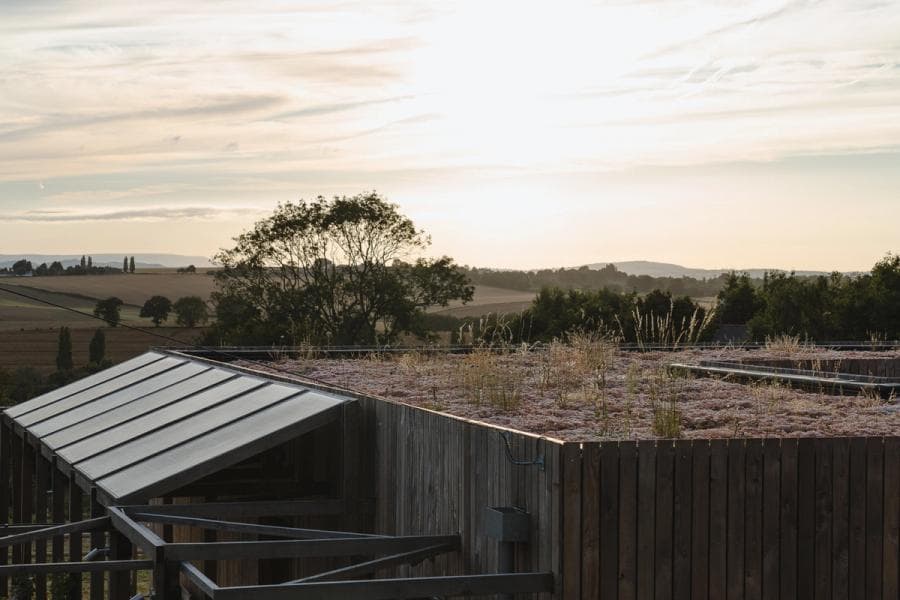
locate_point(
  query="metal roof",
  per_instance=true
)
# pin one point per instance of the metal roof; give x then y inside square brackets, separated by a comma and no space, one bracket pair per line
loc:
[154,423]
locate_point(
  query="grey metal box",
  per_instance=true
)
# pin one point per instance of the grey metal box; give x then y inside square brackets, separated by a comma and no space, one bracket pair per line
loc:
[507,523]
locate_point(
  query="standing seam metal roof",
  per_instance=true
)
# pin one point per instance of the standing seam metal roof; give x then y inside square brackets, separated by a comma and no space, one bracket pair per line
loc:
[154,423]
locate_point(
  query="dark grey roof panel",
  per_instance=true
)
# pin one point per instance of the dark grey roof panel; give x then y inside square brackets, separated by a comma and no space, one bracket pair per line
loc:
[83,384]
[97,391]
[110,401]
[238,440]
[177,433]
[148,425]
[104,421]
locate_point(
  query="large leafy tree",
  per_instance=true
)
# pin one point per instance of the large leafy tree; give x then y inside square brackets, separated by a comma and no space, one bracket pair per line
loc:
[191,311]
[340,271]
[109,310]
[157,309]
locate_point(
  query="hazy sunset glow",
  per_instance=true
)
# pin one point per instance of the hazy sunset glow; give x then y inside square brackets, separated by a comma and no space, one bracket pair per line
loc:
[519,134]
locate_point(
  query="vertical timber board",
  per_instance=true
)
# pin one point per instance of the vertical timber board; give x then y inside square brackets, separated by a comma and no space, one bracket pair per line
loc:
[646,519]
[682,527]
[42,487]
[718,518]
[753,520]
[628,520]
[806,521]
[466,517]
[350,484]
[840,536]
[571,528]
[771,511]
[700,519]
[891,558]
[665,473]
[789,551]
[874,515]
[857,544]
[75,514]
[824,488]
[609,521]
[591,509]
[5,492]
[553,536]
[736,497]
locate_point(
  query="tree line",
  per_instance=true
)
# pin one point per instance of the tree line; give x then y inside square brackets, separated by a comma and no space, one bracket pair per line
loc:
[190,311]
[837,307]
[586,278]
[86,266]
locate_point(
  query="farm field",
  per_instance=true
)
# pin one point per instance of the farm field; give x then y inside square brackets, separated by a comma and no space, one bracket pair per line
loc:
[598,392]
[133,289]
[37,347]
[18,313]
[489,299]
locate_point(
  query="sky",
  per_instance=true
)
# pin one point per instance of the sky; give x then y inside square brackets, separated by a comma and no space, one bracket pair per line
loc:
[517,134]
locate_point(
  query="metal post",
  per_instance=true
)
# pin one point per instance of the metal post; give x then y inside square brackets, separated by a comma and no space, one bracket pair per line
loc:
[98,540]
[75,551]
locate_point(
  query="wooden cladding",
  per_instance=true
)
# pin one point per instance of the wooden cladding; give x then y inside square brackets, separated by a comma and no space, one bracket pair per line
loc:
[735,519]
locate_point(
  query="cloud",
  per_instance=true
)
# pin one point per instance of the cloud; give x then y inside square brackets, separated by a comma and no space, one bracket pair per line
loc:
[324,109]
[213,107]
[140,214]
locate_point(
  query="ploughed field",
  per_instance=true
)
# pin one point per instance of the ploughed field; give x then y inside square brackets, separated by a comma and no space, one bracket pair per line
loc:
[594,391]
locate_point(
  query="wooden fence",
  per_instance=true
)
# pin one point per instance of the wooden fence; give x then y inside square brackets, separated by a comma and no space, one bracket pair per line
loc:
[733,519]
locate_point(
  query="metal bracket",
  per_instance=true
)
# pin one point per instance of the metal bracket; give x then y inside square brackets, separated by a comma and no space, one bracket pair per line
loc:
[539,460]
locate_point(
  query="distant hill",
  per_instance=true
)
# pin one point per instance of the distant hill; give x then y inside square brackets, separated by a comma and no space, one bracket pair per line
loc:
[144,261]
[658,269]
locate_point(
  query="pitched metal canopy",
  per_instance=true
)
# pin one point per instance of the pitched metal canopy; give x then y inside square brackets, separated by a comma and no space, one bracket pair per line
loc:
[157,422]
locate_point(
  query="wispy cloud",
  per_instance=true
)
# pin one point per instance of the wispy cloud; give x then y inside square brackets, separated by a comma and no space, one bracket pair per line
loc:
[141,214]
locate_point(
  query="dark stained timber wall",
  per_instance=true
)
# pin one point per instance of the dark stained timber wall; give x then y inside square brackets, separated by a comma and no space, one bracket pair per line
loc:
[735,519]
[434,474]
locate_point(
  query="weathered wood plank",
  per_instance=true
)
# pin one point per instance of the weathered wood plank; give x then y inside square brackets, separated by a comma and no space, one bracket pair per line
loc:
[682,572]
[665,474]
[736,498]
[806,522]
[891,552]
[874,516]
[753,520]
[609,521]
[857,545]
[592,505]
[718,518]
[824,485]
[571,528]
[771,512]
[700,519]
[789,550]
[646,528]
[628,520]
[840,538]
